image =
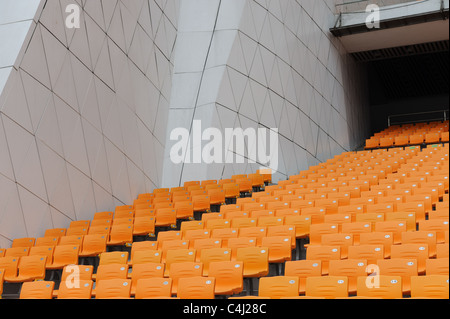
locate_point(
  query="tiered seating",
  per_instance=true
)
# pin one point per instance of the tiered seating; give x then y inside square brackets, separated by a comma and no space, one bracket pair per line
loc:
[323,233]
[410,134]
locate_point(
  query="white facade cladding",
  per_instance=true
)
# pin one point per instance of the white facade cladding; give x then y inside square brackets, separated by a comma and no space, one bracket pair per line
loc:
[86,114]
[264,64]
[83,111]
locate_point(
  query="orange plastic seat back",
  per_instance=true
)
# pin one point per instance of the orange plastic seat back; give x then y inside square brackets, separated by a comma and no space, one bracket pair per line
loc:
[196,288]
[278,287]
[229,277]
[81,290]
[381,286]
[37,290]
[153,288]
[255,260]
[430,286]
[330,287]
[303,269]
[113,289]
[184,270]
[325,254]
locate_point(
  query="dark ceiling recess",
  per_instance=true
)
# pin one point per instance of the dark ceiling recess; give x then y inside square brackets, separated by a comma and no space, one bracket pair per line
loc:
[412,71]
[389,53]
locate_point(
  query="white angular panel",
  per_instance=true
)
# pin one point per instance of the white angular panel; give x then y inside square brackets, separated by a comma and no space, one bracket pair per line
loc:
[36,213]
[6,168]
[118,172]
[37,97]
[4,76]
[128,24]
[13,224]
[130,133]
[238,83]
[185,88]
[48,131]
[230,14]
[16,106]
[225,96]
[94,10]
[55,53]
[137,179]
[160,128]
[247,107]
[96,154]
[197,15]
[212,82]
[52,18]
[25,158]
[59,220]
[65,86]
[103,199]
[115,30]
[221,46]
[72,136]
[110,129]
[191,50]
[56,180]
[82,194]
[103,67]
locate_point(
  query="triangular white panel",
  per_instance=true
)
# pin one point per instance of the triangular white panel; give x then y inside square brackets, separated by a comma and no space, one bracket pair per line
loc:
[129,25]
[37,98]
[115,31]
[5,161]
[238,83]
[130,133]
[65,86]
[16,106]
[284,125]
[247,107]
[59,219]
[72,136]
[52,18]
[89,106]
[13,224]
[137,179]
[108,11]
[94,9]
[82,194]
[259,96]
[79,45]
[275,79]
[110,130]
[56,180]
[55,53]
[225,96]
[103,67]
[48,130]
[103,199]
[248,47]
[247,26]
[236,56]
[36,213]
[257,69]
[267,116]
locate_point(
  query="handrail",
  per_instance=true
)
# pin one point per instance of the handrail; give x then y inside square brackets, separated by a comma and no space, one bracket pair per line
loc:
[355,3]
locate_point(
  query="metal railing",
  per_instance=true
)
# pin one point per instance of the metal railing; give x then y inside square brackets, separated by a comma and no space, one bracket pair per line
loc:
[419,117]
[352,6]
